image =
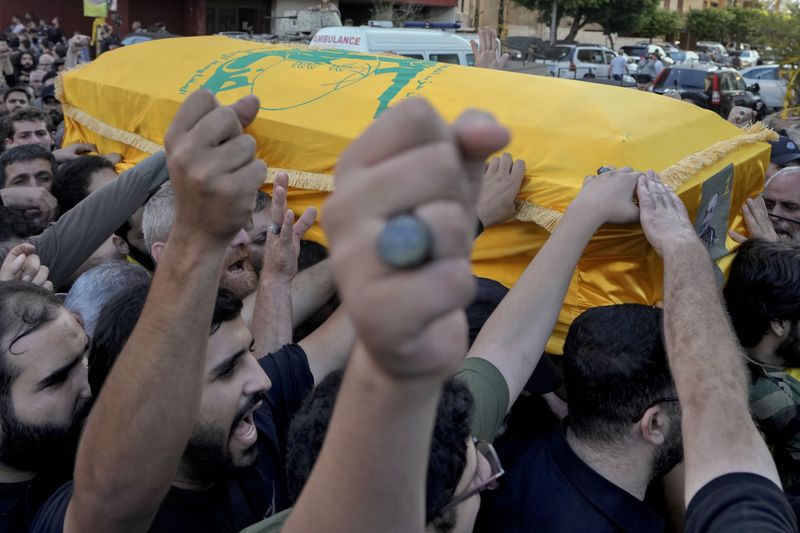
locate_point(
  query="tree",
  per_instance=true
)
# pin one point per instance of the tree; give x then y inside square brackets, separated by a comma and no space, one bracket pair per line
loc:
[743,24]
[660,22]
[711,24]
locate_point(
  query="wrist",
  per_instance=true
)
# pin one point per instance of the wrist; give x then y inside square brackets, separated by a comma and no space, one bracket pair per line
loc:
[681,245]
[373,376]
[584,214]
[275,280]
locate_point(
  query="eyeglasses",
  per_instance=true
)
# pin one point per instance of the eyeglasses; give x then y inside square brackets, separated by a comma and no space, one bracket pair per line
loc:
[490,483]
[653,404]
[784,219]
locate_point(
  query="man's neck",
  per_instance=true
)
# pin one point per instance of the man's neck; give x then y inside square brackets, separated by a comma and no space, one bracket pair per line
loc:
[624,468]
[764,352]
[12,475]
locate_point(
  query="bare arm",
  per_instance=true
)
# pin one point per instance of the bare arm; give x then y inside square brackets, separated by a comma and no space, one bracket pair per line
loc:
[719,436]
[329,346]
[272,315]
[514,337]
[122,473]
[411,329]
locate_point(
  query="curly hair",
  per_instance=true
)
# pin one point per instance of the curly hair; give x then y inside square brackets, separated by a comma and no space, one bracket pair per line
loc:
[446,464]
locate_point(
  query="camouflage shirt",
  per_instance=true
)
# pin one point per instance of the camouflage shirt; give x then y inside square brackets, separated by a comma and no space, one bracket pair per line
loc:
[774,400]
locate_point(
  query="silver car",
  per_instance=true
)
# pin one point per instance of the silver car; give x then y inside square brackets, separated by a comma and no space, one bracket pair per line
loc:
[771,87]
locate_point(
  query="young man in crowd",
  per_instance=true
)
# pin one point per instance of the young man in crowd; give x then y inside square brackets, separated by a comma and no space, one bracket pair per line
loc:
[28,125]
[79,178]
[44,396]
[27,165]
[15,98]
[763,300]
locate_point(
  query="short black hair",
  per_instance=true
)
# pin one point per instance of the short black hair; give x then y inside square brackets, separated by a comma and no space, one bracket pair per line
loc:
[448,449]
[763,286]
[26,114]
[614,366]
[311,253]
[24,153]
[50,75]
[118,319]
[16,89]
[24,308]
[71,184]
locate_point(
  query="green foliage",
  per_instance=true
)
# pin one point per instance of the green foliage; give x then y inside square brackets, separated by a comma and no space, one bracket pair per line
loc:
[709,24]
[660,22]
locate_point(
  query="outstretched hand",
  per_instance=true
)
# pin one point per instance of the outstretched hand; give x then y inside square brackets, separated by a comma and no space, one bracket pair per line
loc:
[665,220]
[501,182]
[756,218]
[486,51]
[411,322]
[283,248]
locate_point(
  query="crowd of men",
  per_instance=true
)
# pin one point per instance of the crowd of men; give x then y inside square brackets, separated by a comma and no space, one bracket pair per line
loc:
[175,356]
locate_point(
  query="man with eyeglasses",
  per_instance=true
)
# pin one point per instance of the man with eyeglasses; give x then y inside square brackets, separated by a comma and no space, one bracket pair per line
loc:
[782,200]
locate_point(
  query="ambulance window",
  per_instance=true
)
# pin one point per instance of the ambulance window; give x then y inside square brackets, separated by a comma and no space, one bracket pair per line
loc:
[445,58]
[414,56]
[471,60]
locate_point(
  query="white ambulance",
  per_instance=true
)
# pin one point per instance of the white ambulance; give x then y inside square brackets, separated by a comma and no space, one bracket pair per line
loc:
[430,45]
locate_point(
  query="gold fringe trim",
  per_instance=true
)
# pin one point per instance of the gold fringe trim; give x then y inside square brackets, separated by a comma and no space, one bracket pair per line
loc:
[299,179]
[538,214]
[110,132]
[673,177]
[683,170]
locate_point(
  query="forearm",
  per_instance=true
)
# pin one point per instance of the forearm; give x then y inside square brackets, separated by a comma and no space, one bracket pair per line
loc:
[71,60]
[515,335]
[272,314]
[122,472]
[328,347]
[709,373]
[65,245]
[311,288]
[374,481]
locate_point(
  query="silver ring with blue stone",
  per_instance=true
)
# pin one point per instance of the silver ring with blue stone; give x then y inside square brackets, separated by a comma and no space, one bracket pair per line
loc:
[405,242]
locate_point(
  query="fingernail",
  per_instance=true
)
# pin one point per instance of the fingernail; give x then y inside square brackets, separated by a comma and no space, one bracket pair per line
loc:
[26,277]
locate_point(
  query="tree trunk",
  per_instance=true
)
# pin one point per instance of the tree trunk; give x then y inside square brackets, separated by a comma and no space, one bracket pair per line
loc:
[611,41]
[577,24]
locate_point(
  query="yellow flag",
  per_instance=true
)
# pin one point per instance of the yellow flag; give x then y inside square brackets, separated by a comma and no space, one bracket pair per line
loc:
[315,102]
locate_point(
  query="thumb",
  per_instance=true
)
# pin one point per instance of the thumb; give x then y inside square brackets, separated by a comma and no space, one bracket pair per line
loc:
[246,109]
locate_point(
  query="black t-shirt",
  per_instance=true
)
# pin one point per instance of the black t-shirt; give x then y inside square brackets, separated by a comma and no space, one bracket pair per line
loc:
[19,502]
[740,502]
[245,496]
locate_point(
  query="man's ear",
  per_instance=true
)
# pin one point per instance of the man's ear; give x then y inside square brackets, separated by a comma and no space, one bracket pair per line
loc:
[156,250]
[8,141]
[654,425]
[120,244]
[780,328]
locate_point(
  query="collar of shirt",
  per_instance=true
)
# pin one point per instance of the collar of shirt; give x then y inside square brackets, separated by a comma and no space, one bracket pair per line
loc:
[618,506]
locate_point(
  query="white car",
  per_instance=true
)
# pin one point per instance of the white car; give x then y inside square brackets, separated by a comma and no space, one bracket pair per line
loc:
[771,87]
[580,61]
[747,58]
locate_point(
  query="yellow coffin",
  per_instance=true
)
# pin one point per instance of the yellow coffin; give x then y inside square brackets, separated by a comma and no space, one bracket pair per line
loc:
[315,102]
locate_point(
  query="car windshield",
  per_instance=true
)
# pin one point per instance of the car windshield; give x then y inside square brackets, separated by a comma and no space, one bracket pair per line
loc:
[557,53]
[682,78]
[677,56]
[635,50]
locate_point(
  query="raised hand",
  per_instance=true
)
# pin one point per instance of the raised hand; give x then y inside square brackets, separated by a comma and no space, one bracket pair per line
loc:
[23,264]
[284,234]
[609,197]
[36,201]
[485,52]
[756,218]
[411,322]
[664,218]
[212,166]
[501,183]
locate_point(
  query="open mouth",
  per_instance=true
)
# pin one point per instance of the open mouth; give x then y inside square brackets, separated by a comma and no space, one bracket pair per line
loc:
[244,431]
[237,267]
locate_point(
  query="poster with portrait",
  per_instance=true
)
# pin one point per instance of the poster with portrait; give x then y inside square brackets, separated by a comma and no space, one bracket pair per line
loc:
[711,221]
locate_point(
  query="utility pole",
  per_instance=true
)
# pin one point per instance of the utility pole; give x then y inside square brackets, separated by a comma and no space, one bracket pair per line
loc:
[553,18]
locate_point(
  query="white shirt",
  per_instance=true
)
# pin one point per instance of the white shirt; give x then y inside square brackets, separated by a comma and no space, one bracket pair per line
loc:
[619,65]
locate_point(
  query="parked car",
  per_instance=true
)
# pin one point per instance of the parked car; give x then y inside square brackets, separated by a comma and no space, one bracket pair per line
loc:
[744,58]
[669,47]
[710,87]
[684,56]
[579,61]
[716,51]
[772,86]
[530,46]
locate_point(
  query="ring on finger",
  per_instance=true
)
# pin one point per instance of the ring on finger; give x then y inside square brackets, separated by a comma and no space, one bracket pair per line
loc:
[274,228]
[603,170]
[405,242]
